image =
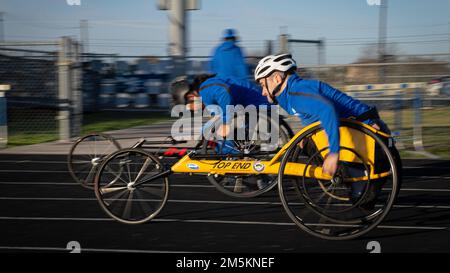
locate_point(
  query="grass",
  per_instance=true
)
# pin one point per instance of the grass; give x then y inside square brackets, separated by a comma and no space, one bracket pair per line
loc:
[436,127]
[431,117]
[112,120]
[20,139]
[435,130]
[92,122]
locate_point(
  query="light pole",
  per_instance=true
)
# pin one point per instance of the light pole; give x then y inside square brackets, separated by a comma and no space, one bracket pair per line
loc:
[178,29]
[2,30]
[84,36]
[382,34]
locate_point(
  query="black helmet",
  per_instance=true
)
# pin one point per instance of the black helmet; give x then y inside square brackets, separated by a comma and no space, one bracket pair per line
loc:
[179,88]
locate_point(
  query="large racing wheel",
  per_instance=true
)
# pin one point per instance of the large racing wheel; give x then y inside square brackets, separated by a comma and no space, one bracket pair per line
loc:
[356,199]
[246,186]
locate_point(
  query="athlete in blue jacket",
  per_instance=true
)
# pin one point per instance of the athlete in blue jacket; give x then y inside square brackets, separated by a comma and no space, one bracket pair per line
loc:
[311,100]
[215,90]
[224,92]
[227,59]
[314,101]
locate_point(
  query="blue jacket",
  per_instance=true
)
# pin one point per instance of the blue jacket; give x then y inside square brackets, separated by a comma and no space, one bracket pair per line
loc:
[313,101]
[227,91]
[228,62]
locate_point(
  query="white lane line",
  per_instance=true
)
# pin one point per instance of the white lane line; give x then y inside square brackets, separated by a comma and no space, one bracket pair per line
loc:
[77,184]
[33,161]
[213,222]
[65,162]
[66,171]
[427,167]
[201,202]
[30,248]
[151,200]
[32,171]
[426,190]
[40,183]
[430,177]
[186,186]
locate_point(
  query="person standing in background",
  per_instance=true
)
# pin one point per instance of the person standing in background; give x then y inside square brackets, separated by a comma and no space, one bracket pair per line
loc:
[227,60]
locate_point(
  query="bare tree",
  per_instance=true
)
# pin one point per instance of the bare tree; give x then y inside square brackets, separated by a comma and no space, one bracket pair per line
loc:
[369,53]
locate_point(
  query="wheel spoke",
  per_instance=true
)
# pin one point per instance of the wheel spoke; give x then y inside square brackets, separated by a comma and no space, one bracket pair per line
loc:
[143,168]
[91,174]
[117,176]
[127,212]
[143,204]
[115,197]
[106,189]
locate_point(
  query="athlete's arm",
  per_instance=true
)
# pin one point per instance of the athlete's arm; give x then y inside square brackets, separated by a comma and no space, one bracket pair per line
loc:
[322,109]
[218,95]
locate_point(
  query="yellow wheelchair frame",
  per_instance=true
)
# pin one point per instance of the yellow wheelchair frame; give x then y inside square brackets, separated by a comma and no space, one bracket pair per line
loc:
[355,140]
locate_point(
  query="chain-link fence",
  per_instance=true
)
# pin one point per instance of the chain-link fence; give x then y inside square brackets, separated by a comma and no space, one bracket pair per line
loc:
[32,105]
[136,82]
[42,100]
[412,94]
[126,82]
[424,70]
[418,118]
[51,89]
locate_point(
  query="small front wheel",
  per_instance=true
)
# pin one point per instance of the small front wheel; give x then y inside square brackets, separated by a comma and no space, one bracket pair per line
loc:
[86,155]
[125,189]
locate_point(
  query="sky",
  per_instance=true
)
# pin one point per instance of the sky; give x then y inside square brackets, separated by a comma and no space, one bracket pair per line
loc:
[137,27]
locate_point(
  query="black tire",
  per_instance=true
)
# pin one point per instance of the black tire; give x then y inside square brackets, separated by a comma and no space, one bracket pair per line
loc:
[116,178]
[84,157]
[331,218]
[246,186]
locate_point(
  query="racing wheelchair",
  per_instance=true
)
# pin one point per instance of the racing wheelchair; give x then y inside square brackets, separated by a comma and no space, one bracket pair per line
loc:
[89,151]
[132,185]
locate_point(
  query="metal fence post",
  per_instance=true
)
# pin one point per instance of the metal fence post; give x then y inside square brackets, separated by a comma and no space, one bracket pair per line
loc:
[3,117]
[77,94]
[64,89]
[398,105]
[269,47]
[284,43]
[417,130]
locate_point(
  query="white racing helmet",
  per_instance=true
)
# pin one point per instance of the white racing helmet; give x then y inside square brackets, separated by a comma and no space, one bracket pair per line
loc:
[271,63]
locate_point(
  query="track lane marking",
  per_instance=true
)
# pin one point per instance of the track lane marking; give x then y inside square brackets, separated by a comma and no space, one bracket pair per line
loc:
[91,249]
[201,202]
[210,222]
[185,186]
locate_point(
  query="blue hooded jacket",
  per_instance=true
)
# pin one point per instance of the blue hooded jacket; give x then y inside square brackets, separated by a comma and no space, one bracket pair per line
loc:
[314,100]
[227,91]
[228,62]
